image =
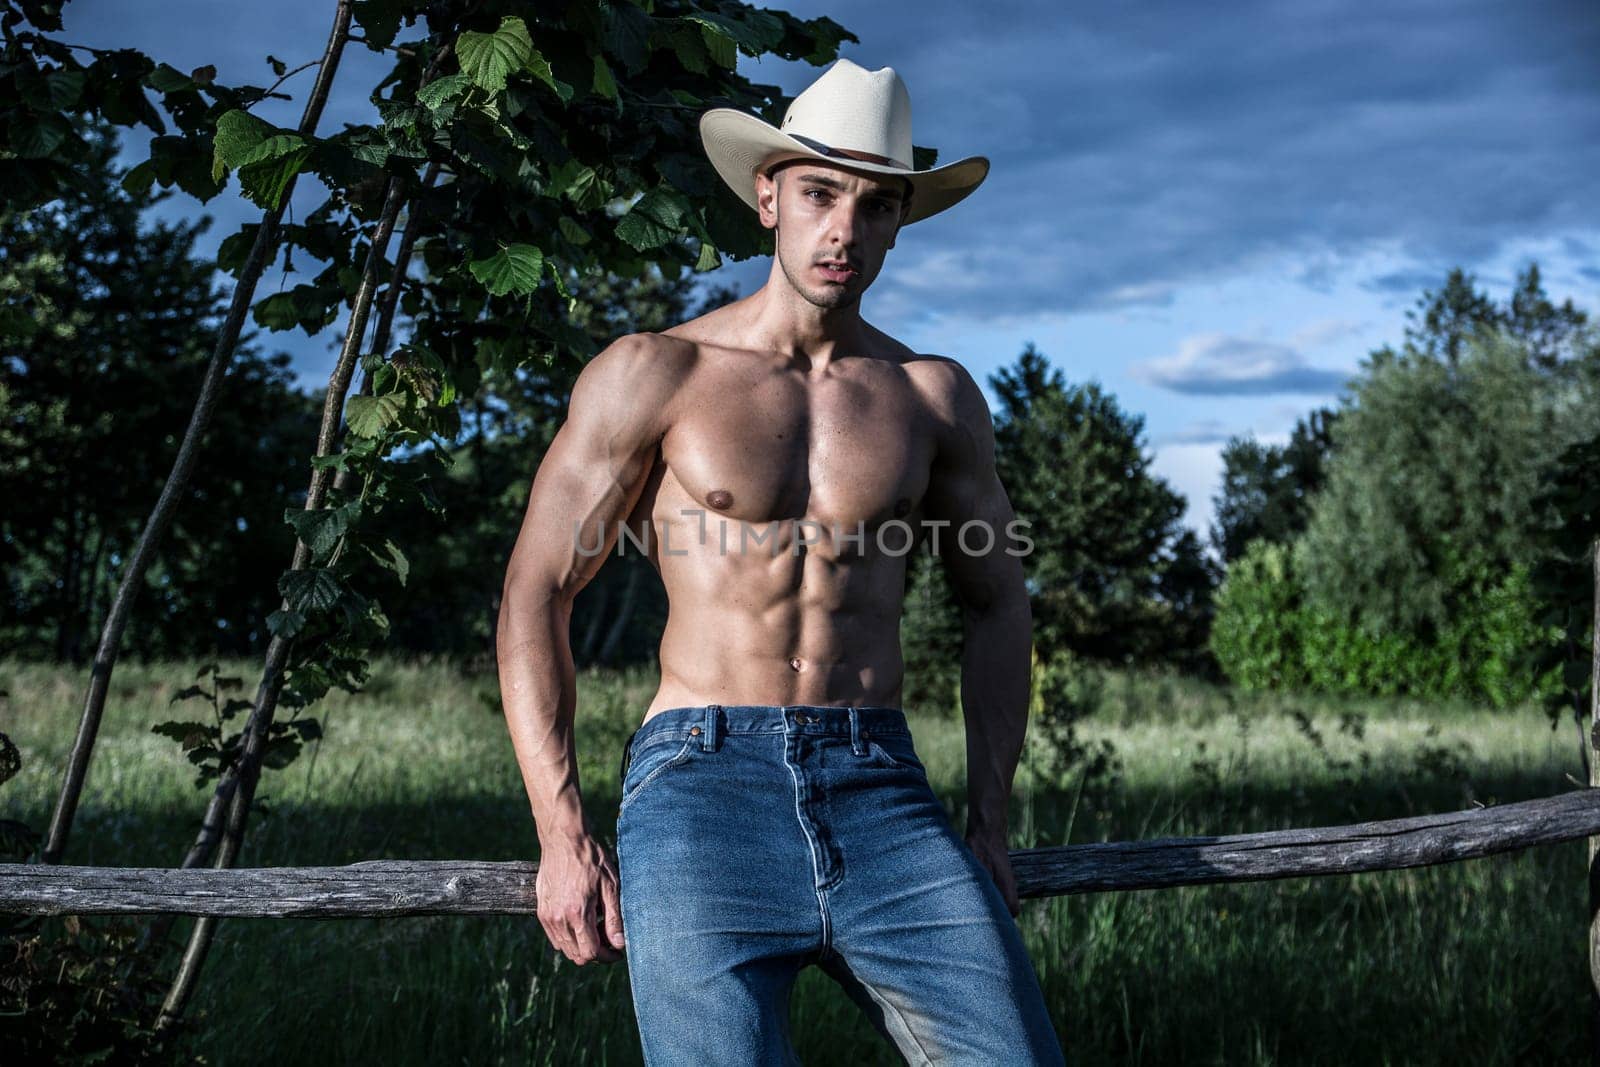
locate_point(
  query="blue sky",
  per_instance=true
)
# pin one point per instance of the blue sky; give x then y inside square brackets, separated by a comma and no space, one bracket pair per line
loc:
[1214,210]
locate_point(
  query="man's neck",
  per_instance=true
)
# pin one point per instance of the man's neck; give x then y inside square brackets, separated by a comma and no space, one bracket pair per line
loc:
[784,321]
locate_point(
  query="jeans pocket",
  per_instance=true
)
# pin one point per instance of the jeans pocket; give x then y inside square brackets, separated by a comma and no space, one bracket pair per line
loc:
[895,750]
[648,765]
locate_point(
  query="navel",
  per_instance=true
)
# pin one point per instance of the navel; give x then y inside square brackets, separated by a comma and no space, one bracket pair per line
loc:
[720,499]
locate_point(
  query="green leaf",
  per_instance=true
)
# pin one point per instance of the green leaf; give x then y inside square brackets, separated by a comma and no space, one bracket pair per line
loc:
[487,58]
[724,50]
[370,416]
[139,179]
[577,183]
[190,735]
[627,35]
[308,729]
[65,87]
[380,19]
[238,135]
[280,752]
[513,269]
[654,219]
[604,83]
[168,79]
[312,589]
[539,67]
[321,529]
[38,136]
[308,306]
[395,560]
[265,183]
[709,260]
[754,34]
[285,624]
[442,89]
[572,231]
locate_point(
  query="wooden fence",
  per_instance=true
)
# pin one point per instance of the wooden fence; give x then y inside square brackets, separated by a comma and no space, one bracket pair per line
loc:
[464,887]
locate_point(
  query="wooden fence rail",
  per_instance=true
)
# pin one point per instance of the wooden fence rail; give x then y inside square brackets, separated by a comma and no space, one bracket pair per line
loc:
[465,887]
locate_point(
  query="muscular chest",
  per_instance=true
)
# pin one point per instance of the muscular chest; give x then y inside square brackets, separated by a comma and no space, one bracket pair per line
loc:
[848,447]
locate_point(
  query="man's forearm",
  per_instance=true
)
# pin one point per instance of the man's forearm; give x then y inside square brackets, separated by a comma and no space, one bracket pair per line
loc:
[996,681]
[538,689]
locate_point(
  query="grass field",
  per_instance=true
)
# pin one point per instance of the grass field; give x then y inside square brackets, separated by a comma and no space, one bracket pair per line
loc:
[1480,962]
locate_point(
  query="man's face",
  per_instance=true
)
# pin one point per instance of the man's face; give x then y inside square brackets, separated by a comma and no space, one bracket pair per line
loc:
[833,227]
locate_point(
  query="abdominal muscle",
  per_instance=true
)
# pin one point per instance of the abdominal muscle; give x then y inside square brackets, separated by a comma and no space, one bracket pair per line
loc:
[778,623]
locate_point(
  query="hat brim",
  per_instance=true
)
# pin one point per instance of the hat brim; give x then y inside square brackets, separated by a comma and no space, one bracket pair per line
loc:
[739,145]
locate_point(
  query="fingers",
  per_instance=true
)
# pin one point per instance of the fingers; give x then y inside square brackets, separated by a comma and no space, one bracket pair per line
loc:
[611,898]
[579,906]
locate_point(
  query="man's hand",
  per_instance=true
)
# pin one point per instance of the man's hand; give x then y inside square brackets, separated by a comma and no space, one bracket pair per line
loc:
[580,902]
[992,853]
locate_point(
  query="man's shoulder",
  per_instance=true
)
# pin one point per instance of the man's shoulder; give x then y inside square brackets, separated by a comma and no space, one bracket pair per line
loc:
[633,382]
[947,386]
[635,362]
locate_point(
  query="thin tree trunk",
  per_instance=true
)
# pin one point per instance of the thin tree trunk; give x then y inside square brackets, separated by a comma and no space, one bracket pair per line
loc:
[91,607]
[260,722]
[1594,843]
[188,453]
[68,602]
[391,296]
[211,823]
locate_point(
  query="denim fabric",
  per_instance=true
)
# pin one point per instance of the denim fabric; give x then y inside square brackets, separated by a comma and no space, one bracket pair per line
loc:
[755,840]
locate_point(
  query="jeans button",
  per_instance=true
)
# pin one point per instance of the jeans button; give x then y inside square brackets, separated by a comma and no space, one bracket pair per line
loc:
[694,731]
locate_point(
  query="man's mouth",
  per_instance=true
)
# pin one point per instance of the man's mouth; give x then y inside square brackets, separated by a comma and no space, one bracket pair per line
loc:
[837,271]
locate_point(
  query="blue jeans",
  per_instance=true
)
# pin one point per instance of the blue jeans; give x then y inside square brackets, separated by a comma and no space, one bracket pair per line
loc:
[753,840]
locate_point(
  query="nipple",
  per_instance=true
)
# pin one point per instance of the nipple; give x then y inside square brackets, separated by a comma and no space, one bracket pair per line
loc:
[902,507]
[720,499]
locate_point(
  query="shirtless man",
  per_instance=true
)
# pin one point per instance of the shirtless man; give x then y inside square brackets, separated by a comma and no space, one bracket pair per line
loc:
[776,458]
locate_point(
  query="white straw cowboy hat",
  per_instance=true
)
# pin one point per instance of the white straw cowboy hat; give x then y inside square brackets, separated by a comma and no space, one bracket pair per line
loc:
[850,115]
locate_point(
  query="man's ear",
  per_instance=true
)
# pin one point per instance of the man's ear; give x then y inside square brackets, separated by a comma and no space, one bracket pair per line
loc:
[767,200]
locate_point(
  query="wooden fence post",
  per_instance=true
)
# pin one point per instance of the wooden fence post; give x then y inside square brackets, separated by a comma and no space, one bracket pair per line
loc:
[1594,843]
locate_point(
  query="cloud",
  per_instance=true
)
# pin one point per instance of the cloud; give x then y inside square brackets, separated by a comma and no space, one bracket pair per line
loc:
[1215,364]
[1408,282]
[1136,149]
[1326,332]
[1204,432]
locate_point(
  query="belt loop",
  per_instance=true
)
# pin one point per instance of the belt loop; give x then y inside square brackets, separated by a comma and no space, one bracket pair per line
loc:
[857,745]
[708,731]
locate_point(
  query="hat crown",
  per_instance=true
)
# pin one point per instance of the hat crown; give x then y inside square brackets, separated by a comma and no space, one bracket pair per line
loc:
[855,109]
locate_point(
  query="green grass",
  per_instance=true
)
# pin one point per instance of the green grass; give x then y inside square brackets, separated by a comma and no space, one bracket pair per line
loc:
[1481,961]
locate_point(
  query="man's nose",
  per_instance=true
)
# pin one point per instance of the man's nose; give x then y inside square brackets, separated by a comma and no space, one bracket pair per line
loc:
[848,219]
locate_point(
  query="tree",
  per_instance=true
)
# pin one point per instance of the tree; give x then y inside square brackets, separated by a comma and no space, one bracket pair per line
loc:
[1444,320]
[1267,489]
[525,147]
[1435,465]
[1114,574]
[107,328]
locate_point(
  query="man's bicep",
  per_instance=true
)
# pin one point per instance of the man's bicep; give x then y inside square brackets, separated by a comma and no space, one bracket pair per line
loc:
[591,476]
